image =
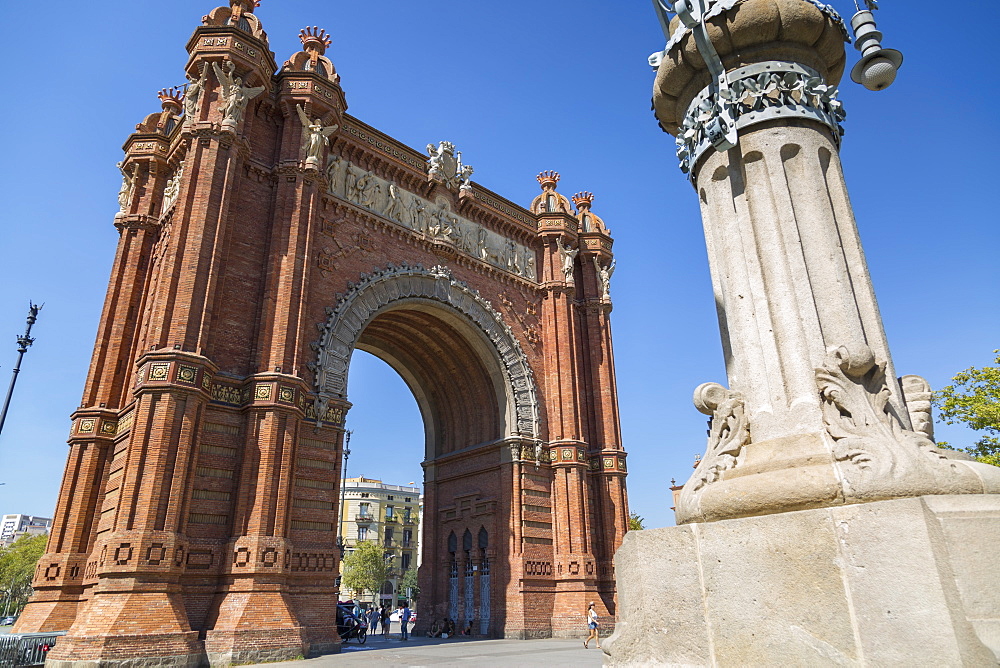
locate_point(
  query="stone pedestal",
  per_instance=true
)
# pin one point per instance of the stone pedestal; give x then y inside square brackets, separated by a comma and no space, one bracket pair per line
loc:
[909,582]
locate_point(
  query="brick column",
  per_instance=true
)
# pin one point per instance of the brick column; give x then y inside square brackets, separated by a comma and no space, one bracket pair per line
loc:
[135,607]
[59,580]
[254,618]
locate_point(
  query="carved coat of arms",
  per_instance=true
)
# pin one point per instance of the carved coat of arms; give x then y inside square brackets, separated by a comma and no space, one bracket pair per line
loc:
[446,165]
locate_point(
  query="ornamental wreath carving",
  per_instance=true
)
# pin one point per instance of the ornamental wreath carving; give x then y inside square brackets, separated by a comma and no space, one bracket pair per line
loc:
[354,309]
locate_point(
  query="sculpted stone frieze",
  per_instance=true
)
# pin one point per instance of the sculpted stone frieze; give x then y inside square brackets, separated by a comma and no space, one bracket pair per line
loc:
[432,220]
[346,321]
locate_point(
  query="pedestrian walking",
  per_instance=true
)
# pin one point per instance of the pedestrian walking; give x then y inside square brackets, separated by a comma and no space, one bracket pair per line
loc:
[373,620]
[592,627]
[404,619]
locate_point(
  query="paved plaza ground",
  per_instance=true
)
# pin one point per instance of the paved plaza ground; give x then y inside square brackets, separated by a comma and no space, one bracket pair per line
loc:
[378,651]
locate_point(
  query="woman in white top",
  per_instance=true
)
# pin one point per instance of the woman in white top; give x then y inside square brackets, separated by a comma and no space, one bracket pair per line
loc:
[592,626]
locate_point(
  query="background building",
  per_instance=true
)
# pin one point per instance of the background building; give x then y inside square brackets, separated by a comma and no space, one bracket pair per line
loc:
[390,515]
[13,527]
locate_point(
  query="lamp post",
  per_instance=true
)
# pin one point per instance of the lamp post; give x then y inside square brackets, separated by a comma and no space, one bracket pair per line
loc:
[341,545]
[23,343]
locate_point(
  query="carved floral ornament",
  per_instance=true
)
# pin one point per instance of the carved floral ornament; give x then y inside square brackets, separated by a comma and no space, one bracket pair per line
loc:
[355,309]
[758,93]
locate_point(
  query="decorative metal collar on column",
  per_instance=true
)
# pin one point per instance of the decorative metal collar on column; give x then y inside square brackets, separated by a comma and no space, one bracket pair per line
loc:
[763,91]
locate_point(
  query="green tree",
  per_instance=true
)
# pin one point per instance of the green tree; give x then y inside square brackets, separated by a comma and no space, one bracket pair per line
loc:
[365,569]
[409,582]
[636,523]
[974,400]
[17,567]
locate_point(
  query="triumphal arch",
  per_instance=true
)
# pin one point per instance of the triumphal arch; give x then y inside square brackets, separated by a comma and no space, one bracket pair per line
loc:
[265,234]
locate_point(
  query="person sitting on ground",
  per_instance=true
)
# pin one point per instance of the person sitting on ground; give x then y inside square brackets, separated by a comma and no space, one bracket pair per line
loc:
[449,627]
[467,631]
[435,631]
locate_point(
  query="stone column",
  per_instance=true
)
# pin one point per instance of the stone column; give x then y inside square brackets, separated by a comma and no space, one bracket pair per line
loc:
[813,415]
[875,566]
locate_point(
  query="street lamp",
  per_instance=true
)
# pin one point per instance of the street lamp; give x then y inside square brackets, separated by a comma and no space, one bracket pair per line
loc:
[23,343]
[341,545]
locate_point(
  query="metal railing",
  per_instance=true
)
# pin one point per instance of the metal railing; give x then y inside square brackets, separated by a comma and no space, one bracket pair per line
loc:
[26,649]
[364,517]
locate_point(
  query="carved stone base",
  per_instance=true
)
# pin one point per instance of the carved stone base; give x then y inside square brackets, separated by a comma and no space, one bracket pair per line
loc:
[888,583]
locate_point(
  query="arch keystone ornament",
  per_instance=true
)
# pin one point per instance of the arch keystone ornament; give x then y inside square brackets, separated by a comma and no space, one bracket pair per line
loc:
[822,526]
[265,235]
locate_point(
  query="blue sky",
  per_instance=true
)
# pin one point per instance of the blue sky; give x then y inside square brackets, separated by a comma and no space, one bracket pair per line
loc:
[519,87]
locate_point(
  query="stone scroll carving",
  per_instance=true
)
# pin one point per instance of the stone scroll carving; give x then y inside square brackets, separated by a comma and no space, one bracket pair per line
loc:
[759,93]
[355,308]
[728,434]
[918,395]
[878,457]
[433,220]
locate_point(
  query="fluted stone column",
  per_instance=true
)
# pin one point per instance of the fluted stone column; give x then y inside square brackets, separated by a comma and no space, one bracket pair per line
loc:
[875,566]
[814,415]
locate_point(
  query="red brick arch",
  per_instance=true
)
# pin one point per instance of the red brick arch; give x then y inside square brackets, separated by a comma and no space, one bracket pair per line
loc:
[199,509]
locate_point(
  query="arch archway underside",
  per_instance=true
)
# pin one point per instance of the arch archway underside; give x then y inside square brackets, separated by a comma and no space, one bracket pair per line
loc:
[346,322]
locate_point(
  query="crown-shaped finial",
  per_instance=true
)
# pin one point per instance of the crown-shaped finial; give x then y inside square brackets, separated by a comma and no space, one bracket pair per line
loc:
[315,39]
[583,200]
[548,179]
[171,97]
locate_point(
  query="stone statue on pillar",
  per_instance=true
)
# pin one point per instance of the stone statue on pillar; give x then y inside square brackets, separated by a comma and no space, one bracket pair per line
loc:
[567,257]
[315,136]
[235,96]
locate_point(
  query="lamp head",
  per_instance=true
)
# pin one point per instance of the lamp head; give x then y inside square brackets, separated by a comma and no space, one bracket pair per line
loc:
[878,67]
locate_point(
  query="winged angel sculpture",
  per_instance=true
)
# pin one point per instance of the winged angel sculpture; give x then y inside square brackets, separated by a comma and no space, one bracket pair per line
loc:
[314,135]
[235,96]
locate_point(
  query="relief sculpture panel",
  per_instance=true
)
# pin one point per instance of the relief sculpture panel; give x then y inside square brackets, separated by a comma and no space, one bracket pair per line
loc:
[433,220]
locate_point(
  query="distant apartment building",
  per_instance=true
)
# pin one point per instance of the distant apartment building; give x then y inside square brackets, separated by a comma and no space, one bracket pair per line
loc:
[389,515]
[13,527]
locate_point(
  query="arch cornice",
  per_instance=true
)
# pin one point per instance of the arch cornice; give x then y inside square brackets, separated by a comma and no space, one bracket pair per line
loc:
[364,300]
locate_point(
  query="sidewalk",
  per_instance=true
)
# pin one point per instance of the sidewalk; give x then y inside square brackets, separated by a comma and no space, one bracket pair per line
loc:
[423,651]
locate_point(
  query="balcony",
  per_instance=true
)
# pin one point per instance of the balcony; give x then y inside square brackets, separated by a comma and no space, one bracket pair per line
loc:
[407,543]
[389,542]
[391,519]
[364,517]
